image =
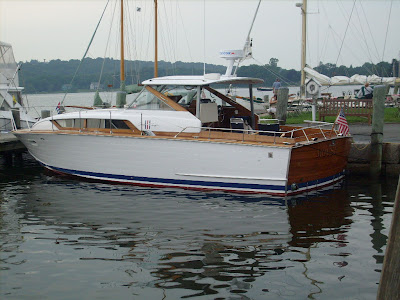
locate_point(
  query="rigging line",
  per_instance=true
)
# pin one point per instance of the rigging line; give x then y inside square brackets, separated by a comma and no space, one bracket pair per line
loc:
[387,30]
[365,67]
[187,41]
[274,73]
[204,37]
[348,23]
[370,31]
[105,51]
[365,38]
[358,34]
[170,46]
[325,45]
[90,43]
[131,45]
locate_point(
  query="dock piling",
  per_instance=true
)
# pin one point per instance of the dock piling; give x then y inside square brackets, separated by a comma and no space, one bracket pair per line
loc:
[281,105]
[377,131]
[389,285]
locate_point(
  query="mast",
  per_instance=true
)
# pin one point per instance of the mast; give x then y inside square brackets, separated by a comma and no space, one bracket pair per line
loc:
[155,40]
[303,48]
[121,94]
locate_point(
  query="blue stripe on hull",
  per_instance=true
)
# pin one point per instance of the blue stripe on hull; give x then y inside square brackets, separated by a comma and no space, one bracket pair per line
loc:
[165,181]
[205,185]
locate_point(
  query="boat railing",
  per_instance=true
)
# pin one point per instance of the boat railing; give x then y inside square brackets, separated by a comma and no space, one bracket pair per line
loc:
[321,128]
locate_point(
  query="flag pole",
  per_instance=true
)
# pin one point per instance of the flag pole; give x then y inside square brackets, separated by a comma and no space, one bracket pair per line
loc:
[334,123]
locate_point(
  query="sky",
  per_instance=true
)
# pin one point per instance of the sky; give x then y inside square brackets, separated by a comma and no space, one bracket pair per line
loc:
[348,32]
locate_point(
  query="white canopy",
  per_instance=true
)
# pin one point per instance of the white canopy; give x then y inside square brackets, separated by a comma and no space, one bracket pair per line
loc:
[201,80]
[343,80]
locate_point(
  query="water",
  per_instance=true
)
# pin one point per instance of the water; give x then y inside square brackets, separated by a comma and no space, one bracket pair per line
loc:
[69,239]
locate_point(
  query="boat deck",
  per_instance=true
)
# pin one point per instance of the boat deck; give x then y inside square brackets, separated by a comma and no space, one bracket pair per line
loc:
[289,136]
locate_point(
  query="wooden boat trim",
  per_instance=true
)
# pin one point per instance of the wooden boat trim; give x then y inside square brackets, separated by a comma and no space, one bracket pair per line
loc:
[203,136]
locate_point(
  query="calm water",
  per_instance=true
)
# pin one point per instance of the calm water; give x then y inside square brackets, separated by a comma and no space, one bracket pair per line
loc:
[69,239]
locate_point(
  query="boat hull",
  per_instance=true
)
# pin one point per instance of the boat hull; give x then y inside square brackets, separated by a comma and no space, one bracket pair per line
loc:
[164,162]
[169,162]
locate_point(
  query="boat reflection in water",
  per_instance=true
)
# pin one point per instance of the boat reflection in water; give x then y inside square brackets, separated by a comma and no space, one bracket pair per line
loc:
[174,243]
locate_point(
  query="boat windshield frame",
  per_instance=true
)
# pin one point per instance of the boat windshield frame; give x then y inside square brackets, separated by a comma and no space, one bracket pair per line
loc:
[147,103]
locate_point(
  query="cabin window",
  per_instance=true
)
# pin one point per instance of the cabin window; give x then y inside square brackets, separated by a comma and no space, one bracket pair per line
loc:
[95,123]
[71,123]
[78,123]
[116,124]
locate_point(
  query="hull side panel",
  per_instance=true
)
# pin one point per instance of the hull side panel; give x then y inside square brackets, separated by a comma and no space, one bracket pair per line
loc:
[164,162]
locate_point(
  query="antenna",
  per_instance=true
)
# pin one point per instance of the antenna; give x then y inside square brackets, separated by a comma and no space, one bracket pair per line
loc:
[239,55]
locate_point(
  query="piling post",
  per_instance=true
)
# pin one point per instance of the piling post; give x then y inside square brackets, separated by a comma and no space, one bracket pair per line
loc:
[17,117]
[377,131]
[281,105]
[389,285]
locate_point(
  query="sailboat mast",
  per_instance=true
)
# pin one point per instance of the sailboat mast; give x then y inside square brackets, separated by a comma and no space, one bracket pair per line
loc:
[303,48]
[122,66]
[121,94]
[155,40]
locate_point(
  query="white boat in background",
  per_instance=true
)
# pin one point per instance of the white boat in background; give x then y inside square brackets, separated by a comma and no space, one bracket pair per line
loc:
[11,92]
[344,80]
[189,141]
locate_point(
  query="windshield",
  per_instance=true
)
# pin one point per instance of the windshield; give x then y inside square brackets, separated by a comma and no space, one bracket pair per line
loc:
[146,100]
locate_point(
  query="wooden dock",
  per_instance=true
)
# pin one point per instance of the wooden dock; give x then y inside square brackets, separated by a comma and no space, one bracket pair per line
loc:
[9,143]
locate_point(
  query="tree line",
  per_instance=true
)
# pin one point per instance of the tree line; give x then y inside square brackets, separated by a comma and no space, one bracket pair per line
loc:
[57,75]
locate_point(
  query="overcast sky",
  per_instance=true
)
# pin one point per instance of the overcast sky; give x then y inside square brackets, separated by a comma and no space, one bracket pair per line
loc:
[196,30]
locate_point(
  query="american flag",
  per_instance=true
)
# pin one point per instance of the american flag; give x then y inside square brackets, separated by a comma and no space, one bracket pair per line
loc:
[342,122]
[58,108]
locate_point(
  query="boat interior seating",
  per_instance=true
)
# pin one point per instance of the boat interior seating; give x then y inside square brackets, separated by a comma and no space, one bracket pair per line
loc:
[240,123]
[268,127]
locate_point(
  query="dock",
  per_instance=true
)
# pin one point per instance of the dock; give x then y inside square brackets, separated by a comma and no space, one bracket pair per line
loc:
[9,143]
[10,146]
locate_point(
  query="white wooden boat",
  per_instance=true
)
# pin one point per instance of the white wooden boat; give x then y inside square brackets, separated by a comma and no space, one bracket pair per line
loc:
[159,142]
[189,142]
